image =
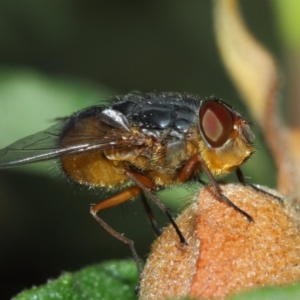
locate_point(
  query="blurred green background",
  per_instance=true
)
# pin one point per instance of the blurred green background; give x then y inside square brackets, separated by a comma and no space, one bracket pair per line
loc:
[59,56]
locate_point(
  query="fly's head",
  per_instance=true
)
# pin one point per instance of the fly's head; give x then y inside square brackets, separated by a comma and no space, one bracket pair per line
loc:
[226,137]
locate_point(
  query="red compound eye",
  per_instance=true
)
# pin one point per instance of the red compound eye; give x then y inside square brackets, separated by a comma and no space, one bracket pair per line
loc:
[216,123]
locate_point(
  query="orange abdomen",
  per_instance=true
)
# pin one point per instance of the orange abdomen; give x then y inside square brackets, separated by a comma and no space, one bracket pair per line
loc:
[94,169]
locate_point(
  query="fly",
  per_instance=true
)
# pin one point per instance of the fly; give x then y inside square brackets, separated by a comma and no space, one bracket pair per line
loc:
[141,143]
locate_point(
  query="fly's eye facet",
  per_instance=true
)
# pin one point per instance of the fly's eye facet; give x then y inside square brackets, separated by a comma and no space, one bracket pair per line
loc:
[216,123]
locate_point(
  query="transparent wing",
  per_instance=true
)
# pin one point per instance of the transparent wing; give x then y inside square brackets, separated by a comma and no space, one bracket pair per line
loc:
[45,145]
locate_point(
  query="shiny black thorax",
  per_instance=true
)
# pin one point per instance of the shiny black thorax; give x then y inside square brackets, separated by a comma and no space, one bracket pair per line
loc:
[160,111]
[171,112]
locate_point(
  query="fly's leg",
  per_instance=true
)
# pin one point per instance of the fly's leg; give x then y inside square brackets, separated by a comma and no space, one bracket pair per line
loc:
[218,191]
[189,169]
[192,165]
[242,180]
[146,185]
[143,185]
[115,200]
[150,215]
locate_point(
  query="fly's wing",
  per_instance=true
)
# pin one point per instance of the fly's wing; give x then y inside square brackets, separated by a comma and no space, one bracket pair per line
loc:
[37,147]
[47,144]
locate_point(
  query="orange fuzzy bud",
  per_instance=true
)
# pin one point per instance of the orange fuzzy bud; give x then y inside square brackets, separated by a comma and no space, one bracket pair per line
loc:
[226,253]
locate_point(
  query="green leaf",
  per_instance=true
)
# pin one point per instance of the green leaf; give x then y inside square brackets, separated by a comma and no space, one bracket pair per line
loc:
[291,292]
[106,281]
[287,17]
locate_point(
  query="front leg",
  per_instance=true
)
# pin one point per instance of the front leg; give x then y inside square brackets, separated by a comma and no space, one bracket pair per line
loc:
[242,180]
[189,169]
